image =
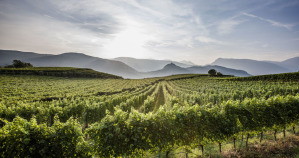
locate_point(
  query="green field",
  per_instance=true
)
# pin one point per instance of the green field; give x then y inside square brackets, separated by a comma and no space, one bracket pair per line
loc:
[47,116]
[57,71]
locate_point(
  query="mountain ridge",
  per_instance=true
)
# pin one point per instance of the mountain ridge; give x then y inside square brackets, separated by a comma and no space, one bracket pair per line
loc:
[119,68]
[171,69]
[147,65]
[255,67]
[70,59]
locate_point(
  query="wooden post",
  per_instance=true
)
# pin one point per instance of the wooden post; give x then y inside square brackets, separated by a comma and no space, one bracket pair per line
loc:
[275,131]
[247,140]
[242,140]
[294,130]
[167,154]
[234,143]
[220,147]
[201,149]
[261,137]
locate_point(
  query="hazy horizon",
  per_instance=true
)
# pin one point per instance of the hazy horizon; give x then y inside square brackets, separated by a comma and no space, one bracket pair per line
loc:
[196,31]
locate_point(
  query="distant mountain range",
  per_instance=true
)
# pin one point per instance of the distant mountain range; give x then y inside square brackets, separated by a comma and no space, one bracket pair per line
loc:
[146,65]
[141,68]
[78,60]
[256,67]
[171,69]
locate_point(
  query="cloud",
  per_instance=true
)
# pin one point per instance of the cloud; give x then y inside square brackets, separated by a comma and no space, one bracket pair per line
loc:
[227,26]
[159,29]
[272,22]
[209,40]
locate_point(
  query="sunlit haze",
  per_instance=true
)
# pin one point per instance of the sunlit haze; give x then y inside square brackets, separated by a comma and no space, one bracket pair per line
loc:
[193,30]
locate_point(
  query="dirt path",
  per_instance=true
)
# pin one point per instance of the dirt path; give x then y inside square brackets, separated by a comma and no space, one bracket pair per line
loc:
[160,99]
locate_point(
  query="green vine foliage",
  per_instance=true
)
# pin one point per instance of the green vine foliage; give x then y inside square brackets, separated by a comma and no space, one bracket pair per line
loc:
[22,138]
[58,117]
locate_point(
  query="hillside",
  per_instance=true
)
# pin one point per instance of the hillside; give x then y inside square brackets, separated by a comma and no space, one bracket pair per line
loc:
[78,60]
[223,70]
[167,70]
[146,65]
[7,56]
[292,64]
[272,77]
[58,71]
[171,69]
[255,67]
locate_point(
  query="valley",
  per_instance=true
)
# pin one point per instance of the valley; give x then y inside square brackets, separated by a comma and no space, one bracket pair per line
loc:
[116,117]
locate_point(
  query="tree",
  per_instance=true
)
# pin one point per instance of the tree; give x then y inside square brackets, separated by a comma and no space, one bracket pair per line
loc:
[212,72]
[219,74]
[19,64]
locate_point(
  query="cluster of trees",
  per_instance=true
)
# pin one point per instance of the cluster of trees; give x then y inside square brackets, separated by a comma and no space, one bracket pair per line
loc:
[19,64]
[213,72]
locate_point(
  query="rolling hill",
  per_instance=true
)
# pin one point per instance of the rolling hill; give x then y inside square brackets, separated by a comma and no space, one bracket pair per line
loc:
[78,60]
[58,71]
[254,67]
[146,65]
[223,70]
[171,69]
[158,67]
[292,64]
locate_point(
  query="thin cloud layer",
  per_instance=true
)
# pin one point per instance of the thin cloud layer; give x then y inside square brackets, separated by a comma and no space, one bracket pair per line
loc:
[198,31]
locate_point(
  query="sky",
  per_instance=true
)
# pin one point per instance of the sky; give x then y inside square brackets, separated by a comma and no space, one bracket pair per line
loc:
[199,31]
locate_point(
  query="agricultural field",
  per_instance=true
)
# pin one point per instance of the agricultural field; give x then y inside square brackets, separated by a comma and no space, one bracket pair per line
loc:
[49,116]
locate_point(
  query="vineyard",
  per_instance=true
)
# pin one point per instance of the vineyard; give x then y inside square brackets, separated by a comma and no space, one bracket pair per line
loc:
[47,116]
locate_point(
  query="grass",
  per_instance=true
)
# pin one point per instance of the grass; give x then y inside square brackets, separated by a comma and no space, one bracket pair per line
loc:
[284,147]
[287,147]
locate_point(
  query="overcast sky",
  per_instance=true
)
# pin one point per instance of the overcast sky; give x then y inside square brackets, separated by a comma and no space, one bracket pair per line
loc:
[196,30]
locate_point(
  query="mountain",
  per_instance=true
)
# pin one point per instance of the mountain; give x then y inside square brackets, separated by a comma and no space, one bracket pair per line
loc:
[187,62]
[171,69]
[223,70]
[78,60]
[146,65]
[253,67]
[7,56]
[292,64]
[118,68]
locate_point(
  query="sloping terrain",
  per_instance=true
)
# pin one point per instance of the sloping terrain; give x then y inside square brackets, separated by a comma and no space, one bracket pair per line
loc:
[78,60]
[58,71]
[254,67]
[146,65]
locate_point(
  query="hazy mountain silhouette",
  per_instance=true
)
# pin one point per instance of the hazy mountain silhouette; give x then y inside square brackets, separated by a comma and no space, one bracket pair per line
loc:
[167,67]
[255,67]
[70,60]
[146,65]
[171,69]
[7,56]
[223,70]
[292,64]
[187,62]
